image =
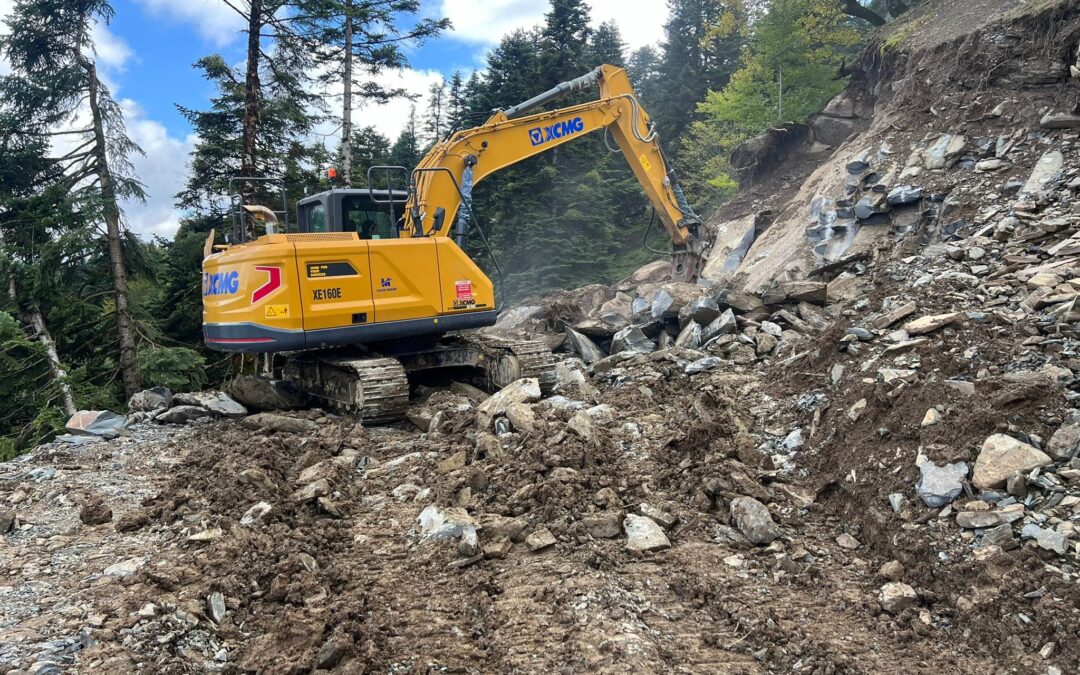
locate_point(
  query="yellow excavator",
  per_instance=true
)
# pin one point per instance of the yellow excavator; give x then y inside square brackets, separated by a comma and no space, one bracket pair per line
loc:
[375,284]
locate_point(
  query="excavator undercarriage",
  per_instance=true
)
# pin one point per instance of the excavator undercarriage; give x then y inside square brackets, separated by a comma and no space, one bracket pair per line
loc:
[373,381]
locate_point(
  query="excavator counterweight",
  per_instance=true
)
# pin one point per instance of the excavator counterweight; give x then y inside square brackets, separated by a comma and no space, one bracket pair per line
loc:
[364,293]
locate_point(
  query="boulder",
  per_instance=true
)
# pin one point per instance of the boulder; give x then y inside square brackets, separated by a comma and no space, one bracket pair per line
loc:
[643,534]
[526,390]
[690,337]
[944,151]
[929,324]
[584,346]
[603,525]
[618,310]
[725,324]
[742,302]
[265,394]
[1064,441]
[653,272]
[904,194]
[897,596]
[282,423]
[1001,456]
[1046,171]
[150,400]
[1060,121]
[182,414]
[216,402]
[754,520]
[100,423]
[940,485]
[702,311]
[671,298]
[1047,539]
[439,523]
[631,339]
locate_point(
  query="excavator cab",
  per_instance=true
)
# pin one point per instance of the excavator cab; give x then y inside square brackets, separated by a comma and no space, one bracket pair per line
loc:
[371,214]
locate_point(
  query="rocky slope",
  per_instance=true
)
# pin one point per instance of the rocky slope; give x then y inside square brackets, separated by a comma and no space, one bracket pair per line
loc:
[856,452]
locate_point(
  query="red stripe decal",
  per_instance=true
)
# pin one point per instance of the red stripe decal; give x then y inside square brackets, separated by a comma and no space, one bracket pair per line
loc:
[271,285]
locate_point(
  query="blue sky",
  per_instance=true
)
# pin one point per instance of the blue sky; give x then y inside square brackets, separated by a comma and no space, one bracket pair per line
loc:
[146,56]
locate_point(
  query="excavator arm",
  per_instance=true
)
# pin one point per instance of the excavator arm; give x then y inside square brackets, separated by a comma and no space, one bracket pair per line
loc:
[443,180]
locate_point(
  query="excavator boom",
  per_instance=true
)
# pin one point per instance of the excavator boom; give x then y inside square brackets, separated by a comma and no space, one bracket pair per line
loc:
[446,174]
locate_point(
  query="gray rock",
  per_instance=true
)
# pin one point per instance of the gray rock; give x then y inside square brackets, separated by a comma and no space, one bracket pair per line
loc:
[702,311]
[265,394]
[216,402]
[772,329]
[1060,121]
[944,151]
[584,346]
[689,337]
[642,534]
[725,324]
[1046,539]
[1001,535]
[703,364]
[754,520]
[275,422]
[438,523]
[1064,442]
[940,485]
[1046,171]
[150,400]
[631,339]
[255,514]
[792,442]
[540,540]
[215,607]
[526,390]
[182,414]
[904,194]
[100,423]
[897,596]
[604,525]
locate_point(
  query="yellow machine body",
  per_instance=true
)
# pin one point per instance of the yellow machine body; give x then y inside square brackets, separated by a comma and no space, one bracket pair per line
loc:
[288,292]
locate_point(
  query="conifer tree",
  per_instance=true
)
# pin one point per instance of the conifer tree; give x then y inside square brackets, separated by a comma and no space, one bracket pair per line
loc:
[55,91]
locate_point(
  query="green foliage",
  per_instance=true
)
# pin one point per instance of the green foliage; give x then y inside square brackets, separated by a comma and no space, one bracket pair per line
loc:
[790,69]
[178,368]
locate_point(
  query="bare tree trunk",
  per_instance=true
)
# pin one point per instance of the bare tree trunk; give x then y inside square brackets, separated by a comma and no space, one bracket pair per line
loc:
[853,8]
[251,90]
[36,321]
[125,324]
[346,114]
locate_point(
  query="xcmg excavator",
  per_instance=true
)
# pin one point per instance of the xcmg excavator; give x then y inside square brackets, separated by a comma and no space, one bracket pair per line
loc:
[376,284]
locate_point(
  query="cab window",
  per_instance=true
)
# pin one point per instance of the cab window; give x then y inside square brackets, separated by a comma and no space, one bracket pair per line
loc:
[370,221]
[316,218]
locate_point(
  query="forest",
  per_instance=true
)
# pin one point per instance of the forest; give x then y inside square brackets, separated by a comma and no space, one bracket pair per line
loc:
[92,312]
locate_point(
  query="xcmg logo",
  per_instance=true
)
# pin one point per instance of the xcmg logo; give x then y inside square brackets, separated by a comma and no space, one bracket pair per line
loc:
[221,283]
[541,135]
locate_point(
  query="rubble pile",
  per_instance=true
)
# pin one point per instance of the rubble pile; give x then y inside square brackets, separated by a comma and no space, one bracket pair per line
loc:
[866,461]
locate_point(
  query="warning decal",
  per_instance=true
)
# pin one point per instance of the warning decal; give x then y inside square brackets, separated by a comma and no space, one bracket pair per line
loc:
[277,311]
[463,290]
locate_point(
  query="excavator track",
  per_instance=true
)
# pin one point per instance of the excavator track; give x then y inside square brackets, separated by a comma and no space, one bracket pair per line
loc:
[375,388]
[510,359]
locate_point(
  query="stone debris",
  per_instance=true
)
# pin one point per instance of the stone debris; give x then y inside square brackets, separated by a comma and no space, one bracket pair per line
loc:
[1002,456]
[939,486]
[644,535]
[754,520]
[897,596]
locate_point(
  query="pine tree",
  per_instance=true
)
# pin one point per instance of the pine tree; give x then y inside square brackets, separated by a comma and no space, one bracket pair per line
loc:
[56,91]
[456,105]
[369,148]
[435,119]
[406,150]
[644,71]
[695,58]
[355,40]
[607,46]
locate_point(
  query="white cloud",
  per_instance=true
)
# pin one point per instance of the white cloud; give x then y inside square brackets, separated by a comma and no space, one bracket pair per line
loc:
[112,52]
[162,172]
[215,21]
[389,118]
[486,22]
